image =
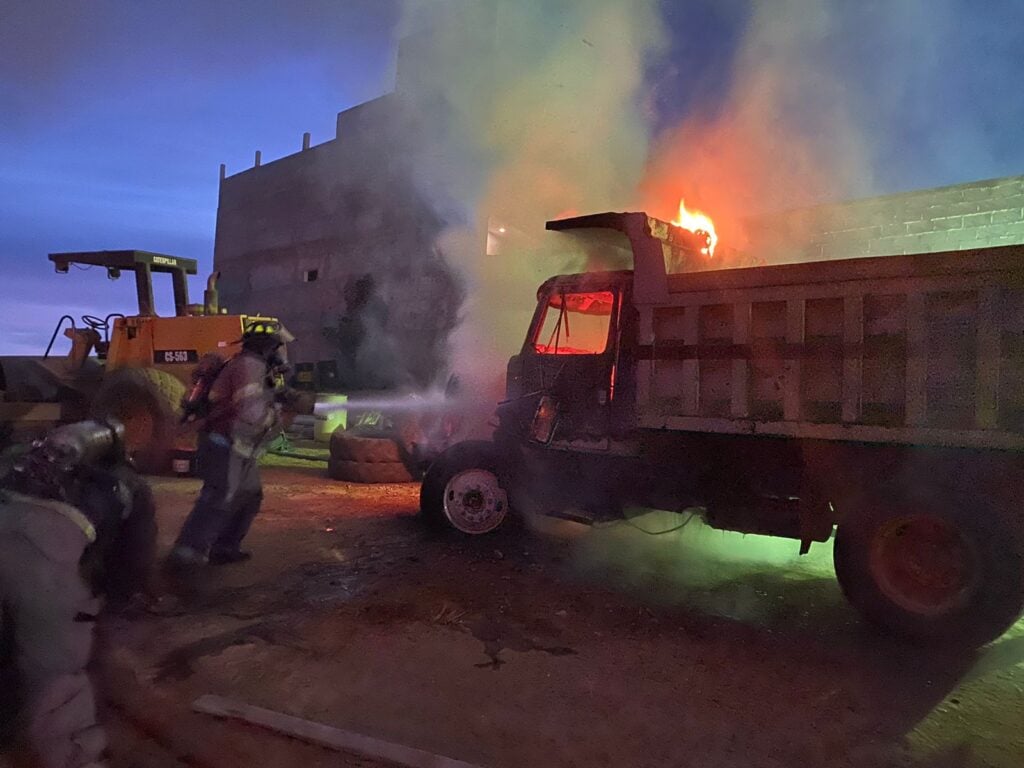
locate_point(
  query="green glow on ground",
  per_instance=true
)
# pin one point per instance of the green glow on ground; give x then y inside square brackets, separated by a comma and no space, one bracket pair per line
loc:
[749,578]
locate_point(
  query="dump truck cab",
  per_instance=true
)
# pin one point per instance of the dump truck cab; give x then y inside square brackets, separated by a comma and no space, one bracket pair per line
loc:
[576,368]
[571,354]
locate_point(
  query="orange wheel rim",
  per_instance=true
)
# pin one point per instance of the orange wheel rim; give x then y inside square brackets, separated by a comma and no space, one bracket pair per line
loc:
[924,564]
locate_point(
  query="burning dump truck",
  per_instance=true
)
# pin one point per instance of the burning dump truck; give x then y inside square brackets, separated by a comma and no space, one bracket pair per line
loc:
[876,401]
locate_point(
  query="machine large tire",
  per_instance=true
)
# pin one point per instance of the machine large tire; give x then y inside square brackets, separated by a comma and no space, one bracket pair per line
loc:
[368,472]
[147,402]
[464,490]
[949,570]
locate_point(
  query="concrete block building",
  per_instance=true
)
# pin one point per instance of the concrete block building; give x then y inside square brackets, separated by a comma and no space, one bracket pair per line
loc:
[292,234]
[295,234]
[974,215]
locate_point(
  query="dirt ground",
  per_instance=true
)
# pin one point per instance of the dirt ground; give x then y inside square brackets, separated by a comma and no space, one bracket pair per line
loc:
[562,647]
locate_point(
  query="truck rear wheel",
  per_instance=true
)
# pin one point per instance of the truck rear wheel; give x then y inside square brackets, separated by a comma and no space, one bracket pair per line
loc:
[464,490]
[147,402]
[933,570]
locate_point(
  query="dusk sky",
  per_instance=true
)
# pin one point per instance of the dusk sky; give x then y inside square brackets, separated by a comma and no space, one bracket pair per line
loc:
[115,115]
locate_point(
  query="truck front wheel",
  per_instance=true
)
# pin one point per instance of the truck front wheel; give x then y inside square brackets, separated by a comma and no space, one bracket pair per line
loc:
[938,571]
[464,490]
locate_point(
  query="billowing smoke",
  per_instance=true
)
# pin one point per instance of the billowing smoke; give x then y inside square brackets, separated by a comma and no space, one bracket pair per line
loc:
[783,135]
[525,111]
[826,101]
[534,110]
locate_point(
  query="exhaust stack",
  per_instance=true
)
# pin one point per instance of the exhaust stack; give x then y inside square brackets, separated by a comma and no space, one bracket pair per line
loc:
[211,300]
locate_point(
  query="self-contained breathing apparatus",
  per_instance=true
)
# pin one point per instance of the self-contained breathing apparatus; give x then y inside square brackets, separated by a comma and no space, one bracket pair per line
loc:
[266,338]
[84,465]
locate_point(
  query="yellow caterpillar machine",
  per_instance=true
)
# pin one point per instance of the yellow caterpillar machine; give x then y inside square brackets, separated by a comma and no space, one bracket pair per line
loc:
[134,368]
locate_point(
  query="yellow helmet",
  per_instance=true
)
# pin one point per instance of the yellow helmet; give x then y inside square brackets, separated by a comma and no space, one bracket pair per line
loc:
[259,330]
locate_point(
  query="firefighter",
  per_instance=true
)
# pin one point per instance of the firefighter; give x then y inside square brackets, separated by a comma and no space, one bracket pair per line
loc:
[75,524]
[245,402]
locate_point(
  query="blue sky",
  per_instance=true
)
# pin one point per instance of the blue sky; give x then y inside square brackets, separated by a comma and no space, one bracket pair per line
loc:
[116,117]
[115,114]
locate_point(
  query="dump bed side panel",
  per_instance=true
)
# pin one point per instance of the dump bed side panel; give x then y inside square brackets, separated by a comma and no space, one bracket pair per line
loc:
[922,349]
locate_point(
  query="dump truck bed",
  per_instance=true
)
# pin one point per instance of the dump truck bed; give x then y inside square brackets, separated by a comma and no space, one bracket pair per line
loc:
[922,349]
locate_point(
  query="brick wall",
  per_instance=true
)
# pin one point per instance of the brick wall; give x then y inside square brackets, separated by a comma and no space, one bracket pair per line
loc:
[975,215]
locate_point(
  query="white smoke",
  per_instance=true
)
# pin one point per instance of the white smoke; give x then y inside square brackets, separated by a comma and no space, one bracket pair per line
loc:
[539,113]
[784,135]
[534,109]
[827,101]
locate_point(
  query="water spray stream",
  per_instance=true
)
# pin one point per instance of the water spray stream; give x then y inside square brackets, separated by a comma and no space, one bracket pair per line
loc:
[389,405]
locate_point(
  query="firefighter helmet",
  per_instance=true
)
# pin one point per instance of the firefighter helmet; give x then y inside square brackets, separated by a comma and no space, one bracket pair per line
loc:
[266,330]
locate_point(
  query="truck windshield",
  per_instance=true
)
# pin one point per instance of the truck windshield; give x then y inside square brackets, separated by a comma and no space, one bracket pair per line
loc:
[575,323]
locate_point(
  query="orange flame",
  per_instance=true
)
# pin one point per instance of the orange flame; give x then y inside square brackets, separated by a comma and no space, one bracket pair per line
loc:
[698,223]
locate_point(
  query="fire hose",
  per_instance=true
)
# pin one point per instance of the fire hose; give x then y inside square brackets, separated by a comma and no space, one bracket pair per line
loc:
[629,521]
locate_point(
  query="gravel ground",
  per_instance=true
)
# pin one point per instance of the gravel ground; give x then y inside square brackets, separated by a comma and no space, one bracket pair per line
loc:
[557,647]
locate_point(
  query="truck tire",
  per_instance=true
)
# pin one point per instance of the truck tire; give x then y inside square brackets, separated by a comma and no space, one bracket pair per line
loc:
[147,402]
[346,446]
[368,472]
[949,571]
[464,490]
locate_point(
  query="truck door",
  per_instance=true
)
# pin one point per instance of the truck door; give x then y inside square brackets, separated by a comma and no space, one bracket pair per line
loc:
[570,355]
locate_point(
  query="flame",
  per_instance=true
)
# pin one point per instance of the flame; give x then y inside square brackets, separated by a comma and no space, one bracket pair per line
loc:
[698,222]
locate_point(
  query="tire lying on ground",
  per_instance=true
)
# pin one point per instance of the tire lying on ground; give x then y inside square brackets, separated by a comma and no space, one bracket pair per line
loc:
[358,457]
[368,472]
[147,401]
[946,570]
[464,490]
[364,449]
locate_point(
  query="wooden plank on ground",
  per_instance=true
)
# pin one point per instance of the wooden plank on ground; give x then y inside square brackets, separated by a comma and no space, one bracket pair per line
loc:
[324,735]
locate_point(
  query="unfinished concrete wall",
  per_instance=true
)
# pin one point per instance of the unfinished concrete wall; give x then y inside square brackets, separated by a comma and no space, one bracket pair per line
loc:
[292,233]
[975,215]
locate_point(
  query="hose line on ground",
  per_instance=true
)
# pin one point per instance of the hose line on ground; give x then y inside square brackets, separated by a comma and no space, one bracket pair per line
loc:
[629,521]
